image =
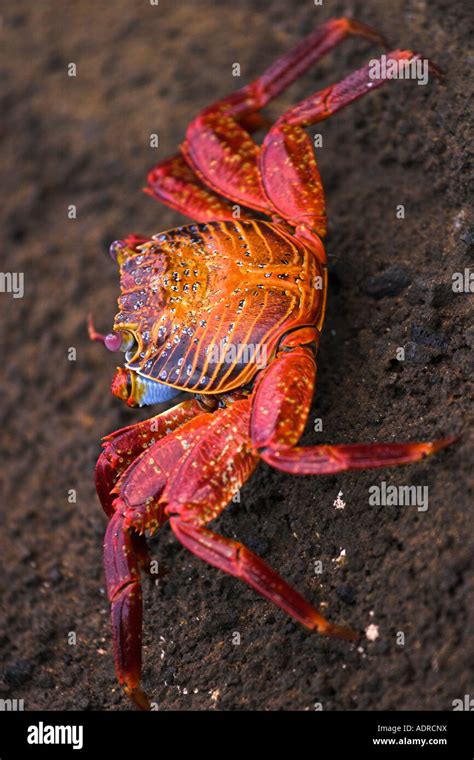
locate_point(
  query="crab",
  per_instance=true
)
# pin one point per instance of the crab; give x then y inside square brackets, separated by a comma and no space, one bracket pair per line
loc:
[227,310]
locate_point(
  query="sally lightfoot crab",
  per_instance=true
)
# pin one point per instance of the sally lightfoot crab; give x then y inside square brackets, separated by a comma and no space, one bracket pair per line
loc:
[228,285]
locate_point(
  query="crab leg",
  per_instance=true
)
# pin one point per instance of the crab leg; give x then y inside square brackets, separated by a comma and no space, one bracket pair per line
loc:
[218,146]
[137,508]
[281,403]
[175,184]
[200,488]
[124,591]
[328,460]
[221,158]
[235,559]
[119,449]
[289,175]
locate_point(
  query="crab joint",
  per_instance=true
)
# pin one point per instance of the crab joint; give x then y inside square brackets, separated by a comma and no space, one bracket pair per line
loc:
[140,391]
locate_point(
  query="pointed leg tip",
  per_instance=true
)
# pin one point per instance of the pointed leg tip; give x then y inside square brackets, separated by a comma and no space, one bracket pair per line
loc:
[364,30]
[138,697]
[340,632]
[432,67]
[443,443]
[435,70]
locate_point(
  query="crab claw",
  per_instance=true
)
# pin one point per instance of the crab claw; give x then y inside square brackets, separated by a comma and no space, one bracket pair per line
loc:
[121,384]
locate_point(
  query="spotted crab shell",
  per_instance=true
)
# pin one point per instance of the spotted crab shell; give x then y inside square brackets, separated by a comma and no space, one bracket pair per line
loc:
[208,304]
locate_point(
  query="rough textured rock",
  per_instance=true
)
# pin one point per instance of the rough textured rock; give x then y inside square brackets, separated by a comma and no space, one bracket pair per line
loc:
[85,141]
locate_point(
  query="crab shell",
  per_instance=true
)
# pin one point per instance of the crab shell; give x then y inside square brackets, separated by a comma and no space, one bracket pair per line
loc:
[208,304]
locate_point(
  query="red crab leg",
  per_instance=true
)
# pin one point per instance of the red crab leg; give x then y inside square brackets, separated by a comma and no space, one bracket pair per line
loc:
[218,146]
[281,401]
[122,573]
[174,183]
[199,489]
[289,175]
[136,509]
[119,449]
[327,460]
[235,559]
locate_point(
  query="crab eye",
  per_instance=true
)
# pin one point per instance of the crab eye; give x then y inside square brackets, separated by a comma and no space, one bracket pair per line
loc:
[113,341]
[117,341]
[116,248]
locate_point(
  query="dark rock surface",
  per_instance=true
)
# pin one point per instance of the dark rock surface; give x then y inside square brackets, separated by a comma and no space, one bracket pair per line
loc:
[85,141]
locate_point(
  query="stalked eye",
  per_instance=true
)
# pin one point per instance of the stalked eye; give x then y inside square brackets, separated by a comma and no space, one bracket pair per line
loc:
[116,247]
[113,341]
[116,341]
